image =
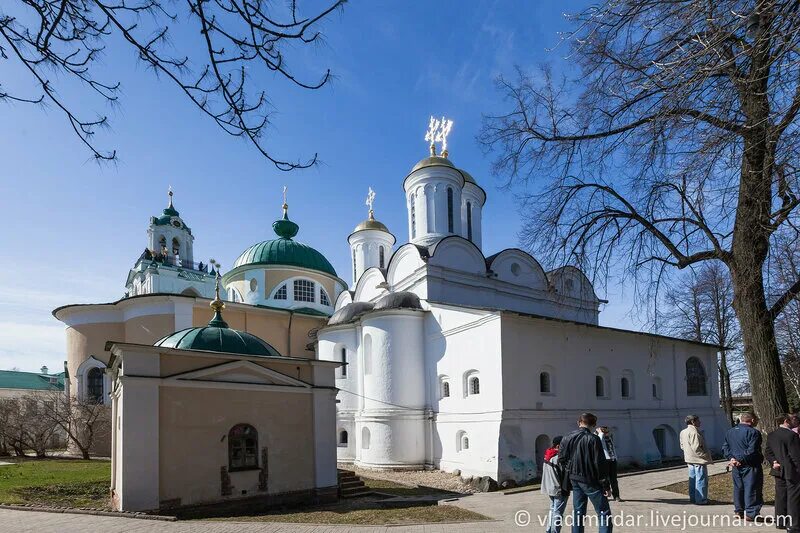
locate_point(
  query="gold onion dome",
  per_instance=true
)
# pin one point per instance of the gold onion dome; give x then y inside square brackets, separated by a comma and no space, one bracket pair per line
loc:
[371,223]
[433,161]
[467,176]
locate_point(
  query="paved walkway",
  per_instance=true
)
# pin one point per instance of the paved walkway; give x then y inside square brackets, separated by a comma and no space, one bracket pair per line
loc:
[643,506]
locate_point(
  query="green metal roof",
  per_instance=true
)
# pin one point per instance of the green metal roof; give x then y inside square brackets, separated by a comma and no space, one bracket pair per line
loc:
[284,251]
[11,379]
[217,339]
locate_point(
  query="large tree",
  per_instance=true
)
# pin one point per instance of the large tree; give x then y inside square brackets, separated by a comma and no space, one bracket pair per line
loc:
[671,140]
[207,49]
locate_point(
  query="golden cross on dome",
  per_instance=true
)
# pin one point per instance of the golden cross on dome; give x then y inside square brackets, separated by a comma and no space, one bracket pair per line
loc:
[370,201]
[438,130]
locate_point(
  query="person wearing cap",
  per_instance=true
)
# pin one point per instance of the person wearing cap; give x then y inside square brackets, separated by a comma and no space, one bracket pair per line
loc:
[697,458]
[552,486]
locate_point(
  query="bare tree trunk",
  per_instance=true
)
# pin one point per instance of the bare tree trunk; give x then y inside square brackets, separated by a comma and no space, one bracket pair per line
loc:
[750,248]
[760,348]
[726,394]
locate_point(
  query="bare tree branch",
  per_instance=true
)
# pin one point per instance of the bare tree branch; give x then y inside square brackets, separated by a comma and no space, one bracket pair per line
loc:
[69,36]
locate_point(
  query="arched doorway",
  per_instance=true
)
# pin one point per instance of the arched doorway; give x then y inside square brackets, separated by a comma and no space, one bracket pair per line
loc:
[542,443]
[666,442]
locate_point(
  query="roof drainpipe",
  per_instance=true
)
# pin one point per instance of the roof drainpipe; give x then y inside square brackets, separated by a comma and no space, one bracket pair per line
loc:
[289,335]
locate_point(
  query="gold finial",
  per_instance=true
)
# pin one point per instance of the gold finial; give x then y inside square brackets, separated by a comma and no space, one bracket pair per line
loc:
[169,192]
[285,205]
[369,202]
[216,304]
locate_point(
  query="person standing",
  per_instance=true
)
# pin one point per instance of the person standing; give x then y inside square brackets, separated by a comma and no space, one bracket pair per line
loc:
[697,458]
[607,441]
[783,454]
[552,477]
[742,449]
[581,453]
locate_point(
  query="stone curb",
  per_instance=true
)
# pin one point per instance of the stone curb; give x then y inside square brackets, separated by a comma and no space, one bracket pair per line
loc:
[95,512]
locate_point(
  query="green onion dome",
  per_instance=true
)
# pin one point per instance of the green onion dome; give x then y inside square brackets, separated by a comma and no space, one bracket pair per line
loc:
[285,251]
[217,337]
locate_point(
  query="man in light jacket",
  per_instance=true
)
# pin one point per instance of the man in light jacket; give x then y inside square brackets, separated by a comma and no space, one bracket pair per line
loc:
[697,458]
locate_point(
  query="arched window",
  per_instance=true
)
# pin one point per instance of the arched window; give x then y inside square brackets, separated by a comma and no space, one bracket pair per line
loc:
[469,221]
[695,378]
[343,438]
[176,247]
[444,387]
[367,354]
[471,383]
[94,385]
[253,284]
[381,257]
[242,448]
[625,388]
[281,293]
[450,209]
[304,290]
[344,360]
[599,386]
[413,216]
[462,441]
[474,385]
[365,439]
[162,244]
[656,388]
[323,297]
[544,383]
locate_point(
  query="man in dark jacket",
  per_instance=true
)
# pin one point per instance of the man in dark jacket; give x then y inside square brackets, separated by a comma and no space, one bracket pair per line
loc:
[581,453]
[783,454]
[742,449]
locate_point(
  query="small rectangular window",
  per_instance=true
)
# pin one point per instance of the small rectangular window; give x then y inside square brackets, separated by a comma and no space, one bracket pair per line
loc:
[304,290]
[323,297]
[344,360]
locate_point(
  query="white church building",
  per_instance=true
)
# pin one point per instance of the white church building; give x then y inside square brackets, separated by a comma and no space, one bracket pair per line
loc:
[461,360]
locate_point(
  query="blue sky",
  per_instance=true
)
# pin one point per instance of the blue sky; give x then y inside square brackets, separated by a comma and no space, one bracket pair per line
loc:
[73,228]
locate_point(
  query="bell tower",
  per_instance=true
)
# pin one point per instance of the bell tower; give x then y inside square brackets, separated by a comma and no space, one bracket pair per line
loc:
[167,264]
[168,235]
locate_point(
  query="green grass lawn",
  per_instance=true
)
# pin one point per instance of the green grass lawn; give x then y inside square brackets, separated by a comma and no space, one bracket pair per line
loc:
[362,514]
[57,482]
[77,483]
[720,489]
